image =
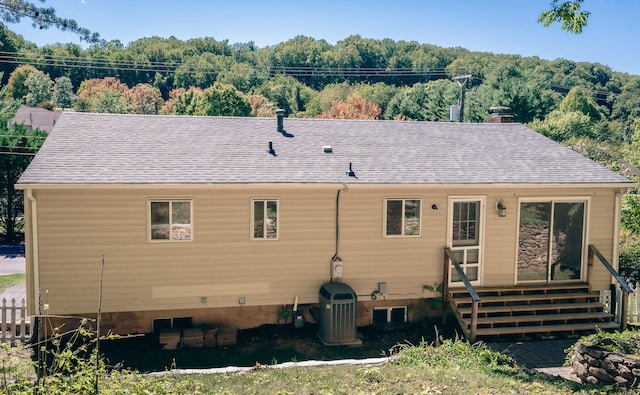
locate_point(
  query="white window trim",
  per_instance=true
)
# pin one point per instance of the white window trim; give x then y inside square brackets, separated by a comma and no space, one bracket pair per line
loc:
[251,219]
[170,200]
[585,236]
[384,216]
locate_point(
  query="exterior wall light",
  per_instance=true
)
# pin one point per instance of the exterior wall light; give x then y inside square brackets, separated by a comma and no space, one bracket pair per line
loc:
[501,208]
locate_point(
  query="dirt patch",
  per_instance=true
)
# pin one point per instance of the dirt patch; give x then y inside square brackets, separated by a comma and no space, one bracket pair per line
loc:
[271,344]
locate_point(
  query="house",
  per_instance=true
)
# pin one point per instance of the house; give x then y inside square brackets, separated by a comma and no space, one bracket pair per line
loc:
[226,220]
[35,118]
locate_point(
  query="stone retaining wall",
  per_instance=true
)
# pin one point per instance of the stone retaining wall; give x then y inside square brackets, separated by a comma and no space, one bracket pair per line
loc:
[592,364]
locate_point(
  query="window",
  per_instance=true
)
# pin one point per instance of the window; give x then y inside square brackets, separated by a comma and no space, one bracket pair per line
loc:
[403,217]
[465,223]
[265,219]
[171,323]
[383,315]
[170,220]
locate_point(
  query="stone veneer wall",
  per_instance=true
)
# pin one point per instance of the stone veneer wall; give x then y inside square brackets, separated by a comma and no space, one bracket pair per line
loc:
[594,365]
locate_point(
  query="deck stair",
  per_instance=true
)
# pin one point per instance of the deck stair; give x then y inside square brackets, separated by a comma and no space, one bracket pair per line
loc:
[532,310]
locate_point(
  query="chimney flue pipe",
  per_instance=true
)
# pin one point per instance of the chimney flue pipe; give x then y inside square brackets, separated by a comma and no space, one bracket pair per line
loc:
[280,115]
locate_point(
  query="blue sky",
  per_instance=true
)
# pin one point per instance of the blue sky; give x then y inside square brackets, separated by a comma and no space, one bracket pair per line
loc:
[498,26]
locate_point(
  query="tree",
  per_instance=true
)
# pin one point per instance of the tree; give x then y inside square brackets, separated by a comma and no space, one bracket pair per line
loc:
[103,95]
[18,146]
[12,11]
[288,93]
[580,100]
[424,102]
[323,100]
[354,107]
[561,126]
[200,71]
[224,100]
[39,86]
[378,93]
[261,106]
[62,95]
[509,85]
[243,76]
[182,101]
[16,87]
[145,99]
[573,19]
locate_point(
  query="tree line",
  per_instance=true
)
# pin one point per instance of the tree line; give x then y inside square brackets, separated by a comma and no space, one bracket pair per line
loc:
[586,106]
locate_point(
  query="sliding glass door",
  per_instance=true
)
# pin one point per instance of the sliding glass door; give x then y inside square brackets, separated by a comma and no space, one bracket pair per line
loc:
[551,240]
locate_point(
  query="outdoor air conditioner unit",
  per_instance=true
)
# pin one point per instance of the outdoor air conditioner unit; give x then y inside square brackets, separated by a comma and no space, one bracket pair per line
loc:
[336,268]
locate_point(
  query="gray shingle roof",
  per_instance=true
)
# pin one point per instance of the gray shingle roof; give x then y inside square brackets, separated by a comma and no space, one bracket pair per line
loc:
[35,118]
[88,148]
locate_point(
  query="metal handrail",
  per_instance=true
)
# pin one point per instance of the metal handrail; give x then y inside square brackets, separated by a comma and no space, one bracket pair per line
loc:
[626,289]
[475,298]
[623,283]
[465,280]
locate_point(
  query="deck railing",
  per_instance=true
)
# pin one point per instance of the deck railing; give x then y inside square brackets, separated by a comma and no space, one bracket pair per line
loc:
[624,287]
[449,257]
[14,327]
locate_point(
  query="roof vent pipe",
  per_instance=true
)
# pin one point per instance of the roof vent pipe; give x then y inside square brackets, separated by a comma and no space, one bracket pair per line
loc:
[280,114]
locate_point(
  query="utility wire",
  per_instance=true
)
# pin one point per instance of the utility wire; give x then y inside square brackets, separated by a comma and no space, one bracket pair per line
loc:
[18,153]
[48,60]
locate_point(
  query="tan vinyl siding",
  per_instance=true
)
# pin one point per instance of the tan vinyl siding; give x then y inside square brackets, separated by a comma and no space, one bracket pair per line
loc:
[221,263]
[601,228]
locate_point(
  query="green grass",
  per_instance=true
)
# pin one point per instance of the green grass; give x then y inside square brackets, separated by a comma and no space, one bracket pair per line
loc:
[454,367]
[11,280]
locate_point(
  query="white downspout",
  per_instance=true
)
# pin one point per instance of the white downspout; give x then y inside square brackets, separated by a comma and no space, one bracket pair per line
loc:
[34,249]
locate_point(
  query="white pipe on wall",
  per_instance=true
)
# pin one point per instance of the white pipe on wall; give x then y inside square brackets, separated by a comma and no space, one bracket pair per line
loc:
[34,249]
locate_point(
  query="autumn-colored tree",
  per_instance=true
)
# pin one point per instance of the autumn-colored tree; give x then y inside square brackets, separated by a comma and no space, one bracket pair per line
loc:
[145,99]
[323,100]
[354,107]
[103,95]
[261,106]
[182,101]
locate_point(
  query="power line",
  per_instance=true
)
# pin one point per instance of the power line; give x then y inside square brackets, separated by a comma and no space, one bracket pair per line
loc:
[22,136]
[18,153]
[172,67]
[48,60]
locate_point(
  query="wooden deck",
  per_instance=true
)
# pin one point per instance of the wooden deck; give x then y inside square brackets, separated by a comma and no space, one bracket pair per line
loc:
[543,310]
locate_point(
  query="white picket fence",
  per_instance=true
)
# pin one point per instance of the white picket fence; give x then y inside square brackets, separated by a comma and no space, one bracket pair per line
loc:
[14,323]
[633,307]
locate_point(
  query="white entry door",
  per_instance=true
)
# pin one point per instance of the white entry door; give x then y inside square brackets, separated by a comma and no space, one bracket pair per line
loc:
[466,224]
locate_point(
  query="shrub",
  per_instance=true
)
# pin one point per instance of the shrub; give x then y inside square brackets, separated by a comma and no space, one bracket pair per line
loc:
[74,367]
[629,258]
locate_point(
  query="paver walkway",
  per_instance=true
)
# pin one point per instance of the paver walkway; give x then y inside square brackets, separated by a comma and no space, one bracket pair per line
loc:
[544,356]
